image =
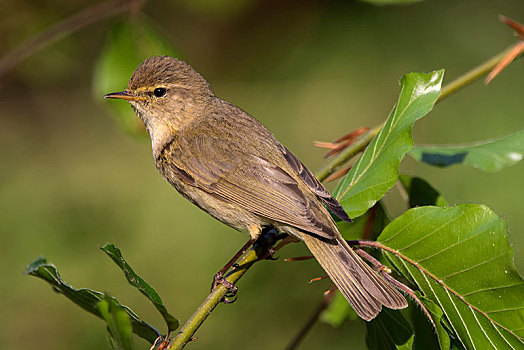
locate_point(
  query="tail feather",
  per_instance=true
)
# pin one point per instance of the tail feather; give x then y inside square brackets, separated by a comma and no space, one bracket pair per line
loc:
[363,288]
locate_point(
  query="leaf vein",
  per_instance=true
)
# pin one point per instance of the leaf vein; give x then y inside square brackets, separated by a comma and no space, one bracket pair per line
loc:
[482,328]
[405,227]
[452,245]
[504,310]
[503,337]
[431,233]
[461,319]
[491,288]
[474,266]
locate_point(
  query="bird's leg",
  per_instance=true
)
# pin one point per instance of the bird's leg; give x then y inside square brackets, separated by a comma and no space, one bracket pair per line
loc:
[262,240]
[267,238]
[219,276]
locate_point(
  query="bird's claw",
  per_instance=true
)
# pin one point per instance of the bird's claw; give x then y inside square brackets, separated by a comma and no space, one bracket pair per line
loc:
[231,295]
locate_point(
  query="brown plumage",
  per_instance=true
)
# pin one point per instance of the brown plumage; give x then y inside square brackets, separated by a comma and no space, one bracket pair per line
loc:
[231,166]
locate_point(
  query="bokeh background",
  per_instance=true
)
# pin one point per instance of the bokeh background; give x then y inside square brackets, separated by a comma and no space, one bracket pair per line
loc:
[72,179]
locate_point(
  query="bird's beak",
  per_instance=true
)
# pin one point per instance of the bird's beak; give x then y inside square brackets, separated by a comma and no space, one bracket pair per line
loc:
[124,95]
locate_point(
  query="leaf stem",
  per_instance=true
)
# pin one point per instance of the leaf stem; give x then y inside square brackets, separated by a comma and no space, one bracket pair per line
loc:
[459,83]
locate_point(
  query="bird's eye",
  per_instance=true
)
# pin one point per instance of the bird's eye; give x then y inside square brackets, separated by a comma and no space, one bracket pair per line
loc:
[159,92]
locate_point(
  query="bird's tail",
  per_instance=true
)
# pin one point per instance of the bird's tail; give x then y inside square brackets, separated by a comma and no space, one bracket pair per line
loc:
[363,288]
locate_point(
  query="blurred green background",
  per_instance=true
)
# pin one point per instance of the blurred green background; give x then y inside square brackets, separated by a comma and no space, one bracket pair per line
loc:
[72,179]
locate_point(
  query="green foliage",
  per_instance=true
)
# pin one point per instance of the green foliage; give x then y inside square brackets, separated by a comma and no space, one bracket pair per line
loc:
[389,330]
[489,155]
[139,283]
[457,257]
[129,42]
[420,192]
[118,323]
[460,259]
[376,171]
[427,335]
[98,303]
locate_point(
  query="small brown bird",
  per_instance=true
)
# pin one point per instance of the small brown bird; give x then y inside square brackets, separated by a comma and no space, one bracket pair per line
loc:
[228,164]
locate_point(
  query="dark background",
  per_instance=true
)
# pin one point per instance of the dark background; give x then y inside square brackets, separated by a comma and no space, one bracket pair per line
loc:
[72,180]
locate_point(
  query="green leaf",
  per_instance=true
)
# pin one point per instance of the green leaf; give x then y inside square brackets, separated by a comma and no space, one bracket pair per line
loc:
[118,323]
[389,330]
[420,192]
[129,42]
[87,299]
[376,171]
[489,155]
[139,283]
[460,259]
[428,337]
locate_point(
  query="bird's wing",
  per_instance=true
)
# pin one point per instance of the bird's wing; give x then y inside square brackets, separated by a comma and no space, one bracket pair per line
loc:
[243,177]
[314,185]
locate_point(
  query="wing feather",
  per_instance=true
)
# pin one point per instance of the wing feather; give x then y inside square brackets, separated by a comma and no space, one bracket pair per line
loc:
[314,185]
[243,178]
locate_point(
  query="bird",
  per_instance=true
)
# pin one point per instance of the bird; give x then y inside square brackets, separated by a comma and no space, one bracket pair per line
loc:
[231,166]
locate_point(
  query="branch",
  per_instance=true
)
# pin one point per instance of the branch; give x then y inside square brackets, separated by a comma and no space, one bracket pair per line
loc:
[474,74]
[459,83]
[67,26]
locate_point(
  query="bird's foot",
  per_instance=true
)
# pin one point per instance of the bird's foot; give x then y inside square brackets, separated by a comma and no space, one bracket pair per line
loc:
[231,295]
[265,243]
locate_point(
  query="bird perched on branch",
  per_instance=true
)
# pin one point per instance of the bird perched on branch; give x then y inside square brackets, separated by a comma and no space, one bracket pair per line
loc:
[228,164]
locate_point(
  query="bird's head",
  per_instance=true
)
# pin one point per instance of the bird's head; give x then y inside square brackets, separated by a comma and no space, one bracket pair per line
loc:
[166,94]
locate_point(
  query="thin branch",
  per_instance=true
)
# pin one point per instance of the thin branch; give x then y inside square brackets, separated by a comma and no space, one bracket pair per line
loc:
[474,74]
[310,322]
[67,26]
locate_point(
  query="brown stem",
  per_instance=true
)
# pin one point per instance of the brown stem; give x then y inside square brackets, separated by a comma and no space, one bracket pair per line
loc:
[67,26]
